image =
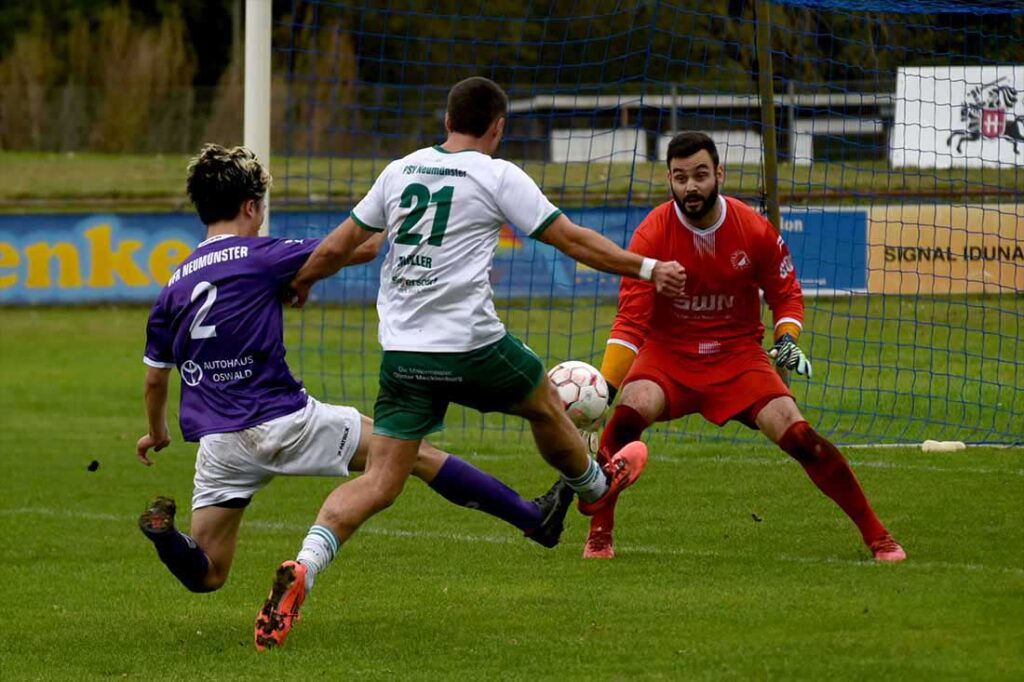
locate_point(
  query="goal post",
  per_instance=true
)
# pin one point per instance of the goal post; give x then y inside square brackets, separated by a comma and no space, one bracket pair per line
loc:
[256,103]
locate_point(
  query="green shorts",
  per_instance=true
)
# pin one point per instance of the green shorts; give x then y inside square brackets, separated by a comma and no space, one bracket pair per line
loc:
[416,388]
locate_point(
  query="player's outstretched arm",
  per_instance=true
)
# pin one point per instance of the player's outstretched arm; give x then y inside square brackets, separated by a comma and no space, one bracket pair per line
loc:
[333,254]
[158,437]
[599,252]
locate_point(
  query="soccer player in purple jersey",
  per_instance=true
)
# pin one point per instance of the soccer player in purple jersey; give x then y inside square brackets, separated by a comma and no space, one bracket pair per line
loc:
[219,321]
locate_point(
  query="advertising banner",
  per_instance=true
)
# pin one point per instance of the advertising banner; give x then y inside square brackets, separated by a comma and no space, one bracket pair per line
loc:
[128,257]
[958,116]
[92,258]
[60,258]
[946,249]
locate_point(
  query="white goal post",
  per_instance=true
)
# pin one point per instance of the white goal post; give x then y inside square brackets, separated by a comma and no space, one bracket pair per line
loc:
[256,129]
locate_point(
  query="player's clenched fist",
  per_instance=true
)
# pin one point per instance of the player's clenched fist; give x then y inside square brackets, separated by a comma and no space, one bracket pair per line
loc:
[669,278]
[787,354]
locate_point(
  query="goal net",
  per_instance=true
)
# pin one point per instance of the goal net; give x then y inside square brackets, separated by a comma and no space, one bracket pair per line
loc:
[898,152]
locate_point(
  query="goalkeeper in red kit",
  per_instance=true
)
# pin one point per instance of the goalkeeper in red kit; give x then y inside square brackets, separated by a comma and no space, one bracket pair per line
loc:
[702,352]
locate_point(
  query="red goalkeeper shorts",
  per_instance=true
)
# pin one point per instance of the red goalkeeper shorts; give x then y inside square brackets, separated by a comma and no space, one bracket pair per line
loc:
[733,384]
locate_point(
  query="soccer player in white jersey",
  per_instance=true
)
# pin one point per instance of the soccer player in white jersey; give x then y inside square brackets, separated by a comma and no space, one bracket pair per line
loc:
[219,321]
[442,208]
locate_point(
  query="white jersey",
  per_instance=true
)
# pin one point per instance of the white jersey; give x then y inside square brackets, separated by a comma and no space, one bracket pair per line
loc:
[442,212]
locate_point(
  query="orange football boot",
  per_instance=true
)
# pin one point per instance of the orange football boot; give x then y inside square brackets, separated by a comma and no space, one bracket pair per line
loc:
[281,609]
[625,467]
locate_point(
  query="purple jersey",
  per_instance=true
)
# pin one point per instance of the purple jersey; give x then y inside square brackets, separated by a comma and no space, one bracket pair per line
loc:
[219,320]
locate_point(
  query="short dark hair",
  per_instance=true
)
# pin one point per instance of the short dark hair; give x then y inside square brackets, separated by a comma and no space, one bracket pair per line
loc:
[474,104]
[688,144]
[220,180]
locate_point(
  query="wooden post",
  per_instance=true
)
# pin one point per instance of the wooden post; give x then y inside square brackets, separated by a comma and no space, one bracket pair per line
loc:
[771,148]
[767,97]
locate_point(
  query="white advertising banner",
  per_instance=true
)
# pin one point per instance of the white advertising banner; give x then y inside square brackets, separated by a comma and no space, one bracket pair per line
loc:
[958,116]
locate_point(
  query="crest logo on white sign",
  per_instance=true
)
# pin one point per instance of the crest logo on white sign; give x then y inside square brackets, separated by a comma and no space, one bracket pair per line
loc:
[988,114]
[958,117]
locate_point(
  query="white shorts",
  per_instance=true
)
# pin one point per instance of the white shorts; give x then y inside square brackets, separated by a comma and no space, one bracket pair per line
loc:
[318,440]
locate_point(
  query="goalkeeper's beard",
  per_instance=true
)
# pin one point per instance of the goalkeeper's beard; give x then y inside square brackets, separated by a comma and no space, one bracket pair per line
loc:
[705,207]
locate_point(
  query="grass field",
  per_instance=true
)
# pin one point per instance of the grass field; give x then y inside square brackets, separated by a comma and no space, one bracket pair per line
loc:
[76,181]
[701,588]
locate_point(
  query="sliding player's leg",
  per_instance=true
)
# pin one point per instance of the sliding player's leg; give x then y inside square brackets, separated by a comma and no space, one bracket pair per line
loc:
[641,403]
[463,484]
[200,561]
[227,476]
[781,422]
[506,376]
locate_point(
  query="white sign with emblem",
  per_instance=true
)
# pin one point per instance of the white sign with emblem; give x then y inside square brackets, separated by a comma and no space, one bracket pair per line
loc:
[958,116]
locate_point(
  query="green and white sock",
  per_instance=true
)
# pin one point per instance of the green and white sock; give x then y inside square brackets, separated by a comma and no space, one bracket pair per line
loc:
[318,550]
[592,484]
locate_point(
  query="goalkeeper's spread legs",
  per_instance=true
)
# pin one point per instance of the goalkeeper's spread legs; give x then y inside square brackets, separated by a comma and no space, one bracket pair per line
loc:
[781,421]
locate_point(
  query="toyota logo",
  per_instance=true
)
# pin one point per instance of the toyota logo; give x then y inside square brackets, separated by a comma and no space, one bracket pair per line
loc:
[191,373]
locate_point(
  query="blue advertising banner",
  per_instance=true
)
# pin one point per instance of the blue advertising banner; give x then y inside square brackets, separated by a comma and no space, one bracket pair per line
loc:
[127,257]
[829,247]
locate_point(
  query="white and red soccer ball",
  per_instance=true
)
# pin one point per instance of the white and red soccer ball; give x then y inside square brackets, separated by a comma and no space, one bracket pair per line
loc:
[583,391]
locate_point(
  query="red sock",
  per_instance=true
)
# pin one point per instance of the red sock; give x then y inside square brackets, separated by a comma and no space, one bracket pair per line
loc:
[625,426]
[830,472]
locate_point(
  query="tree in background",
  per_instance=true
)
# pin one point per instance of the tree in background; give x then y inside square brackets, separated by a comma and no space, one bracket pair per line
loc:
[162,75]
[106,84]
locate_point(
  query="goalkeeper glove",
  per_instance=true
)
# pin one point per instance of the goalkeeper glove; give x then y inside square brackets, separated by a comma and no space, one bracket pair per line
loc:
[787,354]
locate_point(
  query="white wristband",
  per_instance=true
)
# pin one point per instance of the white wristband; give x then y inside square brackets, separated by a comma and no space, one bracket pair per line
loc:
[647,268]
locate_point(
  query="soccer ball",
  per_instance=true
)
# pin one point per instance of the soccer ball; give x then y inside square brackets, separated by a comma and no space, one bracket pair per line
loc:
[583,391]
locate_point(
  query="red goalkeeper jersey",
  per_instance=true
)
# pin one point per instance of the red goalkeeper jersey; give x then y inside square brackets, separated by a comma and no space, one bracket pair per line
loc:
[726,265]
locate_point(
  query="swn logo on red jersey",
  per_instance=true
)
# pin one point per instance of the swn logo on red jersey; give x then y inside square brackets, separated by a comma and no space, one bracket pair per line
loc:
[707,303]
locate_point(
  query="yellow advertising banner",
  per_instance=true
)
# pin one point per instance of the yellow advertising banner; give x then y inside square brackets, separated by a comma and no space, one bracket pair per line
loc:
[942,249]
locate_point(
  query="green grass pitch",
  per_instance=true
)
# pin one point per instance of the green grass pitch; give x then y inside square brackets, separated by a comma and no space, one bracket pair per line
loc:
[701,588]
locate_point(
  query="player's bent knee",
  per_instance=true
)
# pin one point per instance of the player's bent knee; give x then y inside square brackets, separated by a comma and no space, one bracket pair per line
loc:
[211,583]
[804,444]
[645,397]
[215,578]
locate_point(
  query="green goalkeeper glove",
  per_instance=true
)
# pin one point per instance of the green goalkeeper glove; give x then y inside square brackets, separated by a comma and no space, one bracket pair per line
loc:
[787,354]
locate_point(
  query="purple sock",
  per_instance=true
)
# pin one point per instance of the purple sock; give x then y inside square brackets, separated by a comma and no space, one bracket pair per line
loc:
[463,484]
[183,557]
